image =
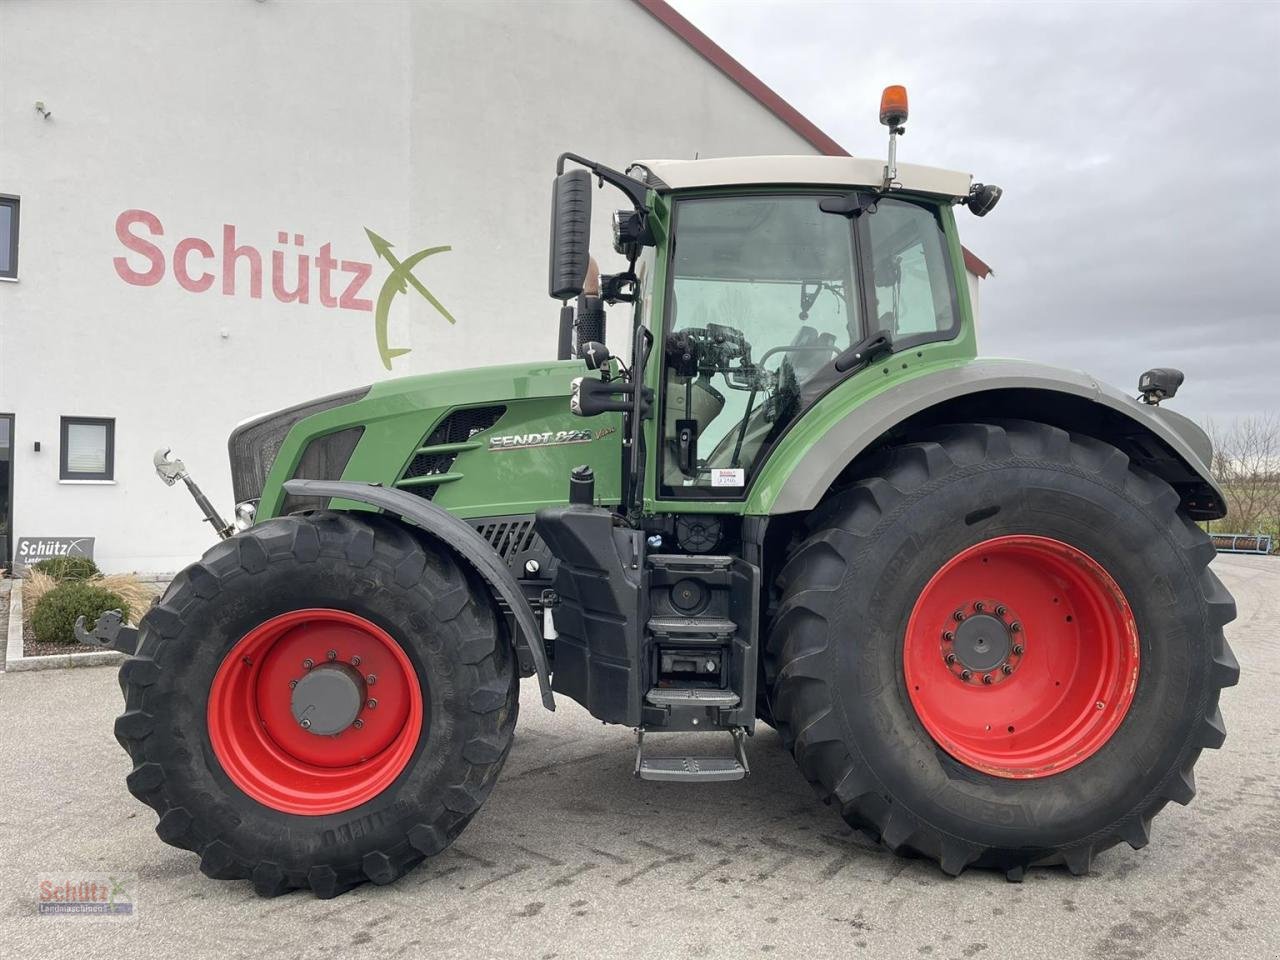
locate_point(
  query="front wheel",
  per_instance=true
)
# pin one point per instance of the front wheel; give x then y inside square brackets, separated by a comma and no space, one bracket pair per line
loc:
[1001,648]
[320,701]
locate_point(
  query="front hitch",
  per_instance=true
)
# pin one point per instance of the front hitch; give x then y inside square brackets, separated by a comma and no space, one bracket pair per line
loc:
[109,631]
[171,471]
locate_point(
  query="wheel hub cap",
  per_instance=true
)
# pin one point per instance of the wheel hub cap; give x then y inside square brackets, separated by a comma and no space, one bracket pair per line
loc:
[982,643]
[328,699]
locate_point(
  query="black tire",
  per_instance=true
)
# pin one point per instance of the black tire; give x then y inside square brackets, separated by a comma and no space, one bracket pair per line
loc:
[835,648]
[442,617]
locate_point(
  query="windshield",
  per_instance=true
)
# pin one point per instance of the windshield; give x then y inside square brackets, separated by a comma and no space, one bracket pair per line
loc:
[762,297]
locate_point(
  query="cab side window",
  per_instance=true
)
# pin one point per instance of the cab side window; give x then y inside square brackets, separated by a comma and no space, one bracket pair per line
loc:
[913,289]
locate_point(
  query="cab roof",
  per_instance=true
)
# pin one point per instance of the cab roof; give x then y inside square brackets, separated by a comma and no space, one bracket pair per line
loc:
[809,170]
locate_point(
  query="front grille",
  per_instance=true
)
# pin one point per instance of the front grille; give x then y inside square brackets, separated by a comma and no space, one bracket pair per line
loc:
[253,446]
[458,427]
[324,459]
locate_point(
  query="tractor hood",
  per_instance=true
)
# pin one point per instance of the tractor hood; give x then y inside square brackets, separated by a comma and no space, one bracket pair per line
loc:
[490,441]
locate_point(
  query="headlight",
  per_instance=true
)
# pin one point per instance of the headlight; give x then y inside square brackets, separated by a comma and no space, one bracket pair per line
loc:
[245,512]
[618,216]
[630,233]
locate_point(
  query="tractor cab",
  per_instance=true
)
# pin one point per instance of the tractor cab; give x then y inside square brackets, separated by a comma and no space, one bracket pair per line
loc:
[759,285]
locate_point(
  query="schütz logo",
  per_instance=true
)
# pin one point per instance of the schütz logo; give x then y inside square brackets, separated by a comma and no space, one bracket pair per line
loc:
[400,281]
[296,274]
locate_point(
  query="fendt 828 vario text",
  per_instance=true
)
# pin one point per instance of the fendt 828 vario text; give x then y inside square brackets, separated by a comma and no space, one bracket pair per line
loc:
[970,595]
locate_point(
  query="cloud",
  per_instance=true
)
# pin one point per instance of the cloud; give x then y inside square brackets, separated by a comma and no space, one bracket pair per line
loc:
[1138,146]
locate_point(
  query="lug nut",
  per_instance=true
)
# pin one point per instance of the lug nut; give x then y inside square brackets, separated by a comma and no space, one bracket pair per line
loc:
[358,723]
[332,654]
[958,616]
[986,678]
[1016,627]
[965,674]
[1006,669]
[372,704]
[371,679]
[292,684]
[304,723]
[1000,610]
[308,663]
[948,636]
[1017,648]
[979,606]
[951,658]
[355,661]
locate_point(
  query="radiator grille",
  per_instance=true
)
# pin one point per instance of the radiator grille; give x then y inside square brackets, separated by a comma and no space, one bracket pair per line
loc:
[253,445]
[458,427]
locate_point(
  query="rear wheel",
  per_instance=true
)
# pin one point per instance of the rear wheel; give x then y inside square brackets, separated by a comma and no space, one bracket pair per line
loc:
[1001,648]
[319,701]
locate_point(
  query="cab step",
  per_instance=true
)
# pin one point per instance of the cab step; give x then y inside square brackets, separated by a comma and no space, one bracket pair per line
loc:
[686,629]
[691,697]
[695,769]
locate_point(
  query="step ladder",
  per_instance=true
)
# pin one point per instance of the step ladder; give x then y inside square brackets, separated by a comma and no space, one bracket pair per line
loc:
[693,769]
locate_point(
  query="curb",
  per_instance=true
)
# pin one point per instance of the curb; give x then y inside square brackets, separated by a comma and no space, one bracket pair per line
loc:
[15,662]
[13,645]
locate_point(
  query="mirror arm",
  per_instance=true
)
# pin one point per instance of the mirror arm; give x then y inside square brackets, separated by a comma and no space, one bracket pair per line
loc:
[633,188]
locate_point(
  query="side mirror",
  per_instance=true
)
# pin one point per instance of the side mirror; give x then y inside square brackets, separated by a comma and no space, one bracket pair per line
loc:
[570,233]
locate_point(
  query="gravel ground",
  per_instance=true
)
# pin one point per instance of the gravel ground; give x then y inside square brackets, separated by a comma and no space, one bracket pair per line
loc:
[572,857]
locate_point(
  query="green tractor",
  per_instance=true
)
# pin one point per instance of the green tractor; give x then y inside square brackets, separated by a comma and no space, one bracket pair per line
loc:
[969,594]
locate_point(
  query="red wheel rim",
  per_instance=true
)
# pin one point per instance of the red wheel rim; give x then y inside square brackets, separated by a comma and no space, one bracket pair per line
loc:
[1021,656]
[261,744]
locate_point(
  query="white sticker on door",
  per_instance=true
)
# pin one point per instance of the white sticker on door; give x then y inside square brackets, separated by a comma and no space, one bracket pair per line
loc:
[728,477]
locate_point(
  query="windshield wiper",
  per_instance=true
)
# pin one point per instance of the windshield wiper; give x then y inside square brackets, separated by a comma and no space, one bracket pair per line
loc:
[865,351]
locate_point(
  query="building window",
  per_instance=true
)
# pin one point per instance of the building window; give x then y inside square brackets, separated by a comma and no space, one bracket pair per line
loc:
[88,448]
[8,237]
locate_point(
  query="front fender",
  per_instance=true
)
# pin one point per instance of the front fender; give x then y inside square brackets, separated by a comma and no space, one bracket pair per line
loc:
[460,538]
[1087,406]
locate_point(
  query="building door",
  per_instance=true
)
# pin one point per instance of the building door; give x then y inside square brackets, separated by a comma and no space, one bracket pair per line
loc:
[6,488]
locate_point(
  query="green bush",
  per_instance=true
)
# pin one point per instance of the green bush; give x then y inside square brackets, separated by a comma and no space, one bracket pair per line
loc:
[68,568]
[54,618]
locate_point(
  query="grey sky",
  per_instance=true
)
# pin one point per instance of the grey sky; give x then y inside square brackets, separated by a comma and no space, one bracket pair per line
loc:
[1138,145]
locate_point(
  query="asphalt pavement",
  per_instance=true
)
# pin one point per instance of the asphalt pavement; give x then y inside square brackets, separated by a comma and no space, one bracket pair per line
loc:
[573,857]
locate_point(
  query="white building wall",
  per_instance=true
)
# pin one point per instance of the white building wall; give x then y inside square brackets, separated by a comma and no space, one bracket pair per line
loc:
[429,123]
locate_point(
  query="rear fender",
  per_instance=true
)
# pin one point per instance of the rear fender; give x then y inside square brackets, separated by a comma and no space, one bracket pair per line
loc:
[1159,440]
[458,537]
